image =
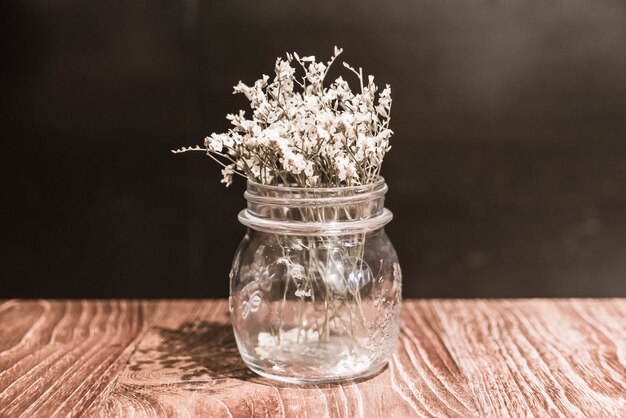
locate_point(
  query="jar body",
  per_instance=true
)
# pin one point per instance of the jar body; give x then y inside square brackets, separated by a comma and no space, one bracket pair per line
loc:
[316,307]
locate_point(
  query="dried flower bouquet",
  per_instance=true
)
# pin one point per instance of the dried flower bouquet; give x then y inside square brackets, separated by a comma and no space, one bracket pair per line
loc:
[304,133]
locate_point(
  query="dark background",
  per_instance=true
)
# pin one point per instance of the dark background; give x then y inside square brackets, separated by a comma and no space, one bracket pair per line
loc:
[507,173]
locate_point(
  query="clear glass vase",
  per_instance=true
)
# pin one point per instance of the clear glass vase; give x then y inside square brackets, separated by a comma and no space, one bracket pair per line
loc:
[315,285]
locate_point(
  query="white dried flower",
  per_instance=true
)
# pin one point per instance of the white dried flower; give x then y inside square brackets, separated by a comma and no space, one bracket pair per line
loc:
[227,173]
[304,133]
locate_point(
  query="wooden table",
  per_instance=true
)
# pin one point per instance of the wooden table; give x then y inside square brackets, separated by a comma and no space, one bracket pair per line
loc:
[455,358]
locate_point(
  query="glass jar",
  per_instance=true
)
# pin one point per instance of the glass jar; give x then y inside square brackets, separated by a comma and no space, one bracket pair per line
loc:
[315,288]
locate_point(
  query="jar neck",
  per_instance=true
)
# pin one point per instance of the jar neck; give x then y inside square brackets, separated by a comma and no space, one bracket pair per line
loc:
[299,210]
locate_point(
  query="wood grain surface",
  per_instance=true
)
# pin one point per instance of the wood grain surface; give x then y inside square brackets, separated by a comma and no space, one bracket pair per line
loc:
[178,358]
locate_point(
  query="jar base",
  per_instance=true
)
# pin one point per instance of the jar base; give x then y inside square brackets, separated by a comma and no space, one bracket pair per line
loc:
[315,380]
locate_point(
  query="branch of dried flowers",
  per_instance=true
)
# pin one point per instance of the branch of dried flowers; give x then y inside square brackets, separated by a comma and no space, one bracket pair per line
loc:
[316,136]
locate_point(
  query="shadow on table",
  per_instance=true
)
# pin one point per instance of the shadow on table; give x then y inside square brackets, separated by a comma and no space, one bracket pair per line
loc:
[195,350]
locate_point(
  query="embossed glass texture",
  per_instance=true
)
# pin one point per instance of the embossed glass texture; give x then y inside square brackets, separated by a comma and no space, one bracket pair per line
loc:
[315,284]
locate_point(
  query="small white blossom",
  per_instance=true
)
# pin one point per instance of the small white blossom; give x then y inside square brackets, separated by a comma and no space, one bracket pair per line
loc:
[213,143]
[227,173]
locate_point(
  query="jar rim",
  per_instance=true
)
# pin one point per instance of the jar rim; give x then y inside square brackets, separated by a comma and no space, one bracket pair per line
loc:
[257,193]
[355,189]
[315,228]
[328,210]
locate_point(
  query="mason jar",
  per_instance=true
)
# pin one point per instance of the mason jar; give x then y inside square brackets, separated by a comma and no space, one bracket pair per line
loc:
[315,286]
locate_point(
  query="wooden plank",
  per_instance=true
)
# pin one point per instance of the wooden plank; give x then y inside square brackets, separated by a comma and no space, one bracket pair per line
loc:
[63,357]
[454,358]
